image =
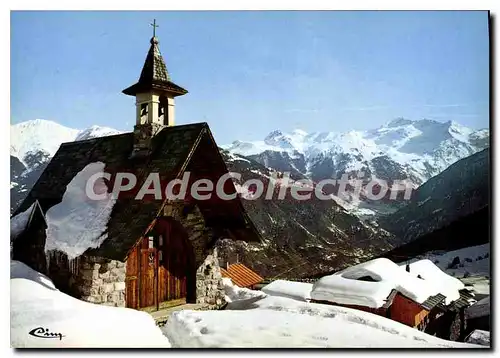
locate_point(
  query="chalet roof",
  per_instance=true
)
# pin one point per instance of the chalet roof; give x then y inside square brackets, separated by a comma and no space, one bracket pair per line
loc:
[172,152]
[241,275]
[480,308]
[433,301]
[424,283]
[154,74]
[467,298]
[21,222]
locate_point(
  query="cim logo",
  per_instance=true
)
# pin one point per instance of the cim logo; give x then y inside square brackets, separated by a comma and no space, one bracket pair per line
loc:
[41,332]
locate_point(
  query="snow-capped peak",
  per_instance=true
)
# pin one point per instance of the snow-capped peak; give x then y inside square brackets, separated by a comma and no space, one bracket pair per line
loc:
[299,132]
[40,139]
[398,122]
[38,135]
[424,147]
[96,131]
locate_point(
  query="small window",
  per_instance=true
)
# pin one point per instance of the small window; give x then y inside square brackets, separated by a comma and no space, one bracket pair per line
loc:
[160,256]
[143,113]
[151,242]
[161,241]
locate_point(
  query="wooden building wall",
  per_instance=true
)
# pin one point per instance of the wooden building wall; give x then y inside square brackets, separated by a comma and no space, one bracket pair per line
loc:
[406,311]
[381,311]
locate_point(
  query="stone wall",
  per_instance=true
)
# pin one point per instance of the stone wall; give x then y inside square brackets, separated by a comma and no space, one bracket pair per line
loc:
[209,289]
[101,281]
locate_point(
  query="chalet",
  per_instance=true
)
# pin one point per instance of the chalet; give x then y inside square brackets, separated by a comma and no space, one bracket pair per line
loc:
[152,253]
[478,315]
[418,295]
[241,275]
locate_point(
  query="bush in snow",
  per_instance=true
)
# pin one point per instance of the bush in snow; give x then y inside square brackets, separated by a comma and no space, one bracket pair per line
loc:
[468,259]
[453,264]
[466,274]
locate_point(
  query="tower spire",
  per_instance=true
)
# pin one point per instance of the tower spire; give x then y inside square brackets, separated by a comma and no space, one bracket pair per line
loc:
[154,93]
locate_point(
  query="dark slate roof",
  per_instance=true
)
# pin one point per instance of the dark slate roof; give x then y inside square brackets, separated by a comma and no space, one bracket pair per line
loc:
[479,309]
[154,75]
[466,299]
[172,150]
[433,301]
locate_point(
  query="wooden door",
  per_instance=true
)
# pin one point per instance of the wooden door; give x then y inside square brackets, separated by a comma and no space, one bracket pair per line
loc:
[132,280]
[160,270]
[148,271]
[175,264]
[141,282]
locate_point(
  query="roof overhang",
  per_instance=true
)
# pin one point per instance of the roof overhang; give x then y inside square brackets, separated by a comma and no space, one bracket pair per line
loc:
[165,87]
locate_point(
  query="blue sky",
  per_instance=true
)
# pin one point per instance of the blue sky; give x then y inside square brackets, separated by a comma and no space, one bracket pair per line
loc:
[249,73]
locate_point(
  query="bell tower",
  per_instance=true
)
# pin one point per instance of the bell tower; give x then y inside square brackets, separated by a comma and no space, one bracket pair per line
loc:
[154,94]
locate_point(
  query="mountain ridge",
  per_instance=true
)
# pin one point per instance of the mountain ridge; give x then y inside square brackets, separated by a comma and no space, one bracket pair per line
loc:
[415,150]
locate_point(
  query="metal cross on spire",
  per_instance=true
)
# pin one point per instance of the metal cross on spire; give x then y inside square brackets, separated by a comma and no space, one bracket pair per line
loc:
[154,27]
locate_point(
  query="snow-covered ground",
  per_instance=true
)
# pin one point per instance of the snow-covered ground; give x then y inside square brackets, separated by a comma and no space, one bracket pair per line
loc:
[473,268]
[251,319]
[38,307]
[275,321]
[479,337]
[295,290]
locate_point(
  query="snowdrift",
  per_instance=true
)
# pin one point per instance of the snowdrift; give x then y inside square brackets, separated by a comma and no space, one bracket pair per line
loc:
[57,320]
[275,321]
[300,291]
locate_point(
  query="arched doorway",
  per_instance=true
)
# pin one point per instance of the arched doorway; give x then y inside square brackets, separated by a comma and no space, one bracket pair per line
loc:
[166,270]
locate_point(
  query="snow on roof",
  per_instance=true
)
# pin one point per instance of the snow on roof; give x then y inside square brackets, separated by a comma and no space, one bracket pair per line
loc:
[78,223]
[345,287]
[18,223]
[300,291]
[347,291]
[236,293]
[35,302]
[448,286]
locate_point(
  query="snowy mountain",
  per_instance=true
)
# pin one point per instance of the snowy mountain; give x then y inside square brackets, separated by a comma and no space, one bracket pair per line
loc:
[460,190]
[33,144]
[401,149]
